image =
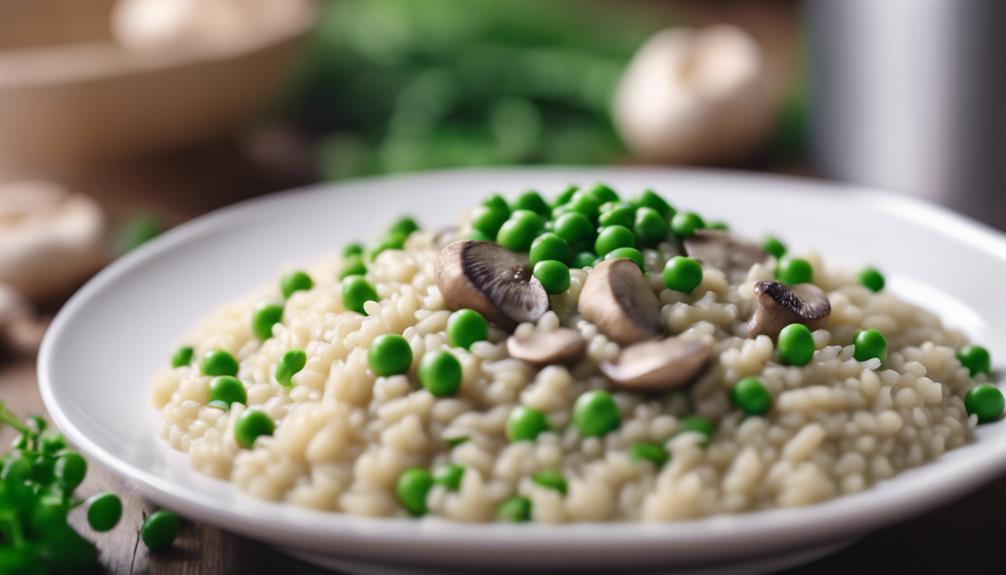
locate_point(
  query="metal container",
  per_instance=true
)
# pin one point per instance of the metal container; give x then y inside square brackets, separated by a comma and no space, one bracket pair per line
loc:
[911,95]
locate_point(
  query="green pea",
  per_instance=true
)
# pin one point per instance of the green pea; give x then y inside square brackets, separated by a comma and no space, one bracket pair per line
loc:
[412,487]
[872,279]
[227,389]
[553,275]
[751,396]
[182,356]
[550,246]
[595,414]
[465,327]
[525,424]
[575,228]
[652,200]
[976,358]
[533,202]
[650,227]
[160,529]
[773,246]
[356,291]
[440,373]
[353,249]
[516,509]
[617,215]
[584,204]
[403,226]
[250,426]
[289,365]
[870,344]
[984,401]
[392,241]
[488,220]
[682,274]
[219,362]
[70,470]
[795,344]
[519,230]
[646,451]
[585,260]
[719,225]
[565,196]
[353,266]
[479,236]
[685,224]
[389,354]
[696,424]
[450,476]
[49,513]
[65,551]
[265,316]
[627,254]
[793,271]
[498,203]
[602,193]
[295,281]
[614,237]
[550,480]
[104,511]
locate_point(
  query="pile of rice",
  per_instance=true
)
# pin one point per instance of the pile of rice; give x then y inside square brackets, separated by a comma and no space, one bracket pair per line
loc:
[343,436]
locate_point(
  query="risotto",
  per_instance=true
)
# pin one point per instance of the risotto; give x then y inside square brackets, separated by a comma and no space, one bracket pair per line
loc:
[589,359]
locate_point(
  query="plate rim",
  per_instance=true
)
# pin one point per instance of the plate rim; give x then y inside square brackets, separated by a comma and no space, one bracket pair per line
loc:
[748,532]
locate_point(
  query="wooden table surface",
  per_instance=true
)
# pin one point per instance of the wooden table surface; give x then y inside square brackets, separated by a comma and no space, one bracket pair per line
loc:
[962,537]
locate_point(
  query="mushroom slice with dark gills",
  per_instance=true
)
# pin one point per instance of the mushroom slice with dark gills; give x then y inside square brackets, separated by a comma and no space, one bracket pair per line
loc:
[658,365]
[724,251]
[618,300]
[562,345]
[778,306]
[491,280]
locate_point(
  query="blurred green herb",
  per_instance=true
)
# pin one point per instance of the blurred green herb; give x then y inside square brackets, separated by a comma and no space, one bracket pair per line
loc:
[396,85]
[136,230]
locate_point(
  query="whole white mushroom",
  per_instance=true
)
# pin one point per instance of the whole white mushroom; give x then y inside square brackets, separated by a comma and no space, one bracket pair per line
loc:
[696,96]
[153,24]
[50,239]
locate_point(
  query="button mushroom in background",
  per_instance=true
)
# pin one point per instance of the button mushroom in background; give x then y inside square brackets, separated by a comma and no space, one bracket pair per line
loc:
[696,96]
[154,24]
[20,332]
[51,240]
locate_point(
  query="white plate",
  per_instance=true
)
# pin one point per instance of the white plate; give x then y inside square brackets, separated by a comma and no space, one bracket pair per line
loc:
[103,347]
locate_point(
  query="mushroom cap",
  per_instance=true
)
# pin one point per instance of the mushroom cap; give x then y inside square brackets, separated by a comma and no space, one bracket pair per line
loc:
[724,251]
[779,306]
[618,300]
[561,345]
[658,365]
[492,280]
[51,240]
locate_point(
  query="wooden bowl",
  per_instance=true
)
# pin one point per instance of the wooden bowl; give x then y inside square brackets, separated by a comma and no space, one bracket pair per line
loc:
[71,97]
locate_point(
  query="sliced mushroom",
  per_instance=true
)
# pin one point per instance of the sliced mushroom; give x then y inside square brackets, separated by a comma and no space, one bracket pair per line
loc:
[779,306]
[617,299]
[562,345]
[726,252]
[658,365]
[492,280]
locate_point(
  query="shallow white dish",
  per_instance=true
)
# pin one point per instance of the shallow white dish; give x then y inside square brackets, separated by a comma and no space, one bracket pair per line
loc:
[104,345]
